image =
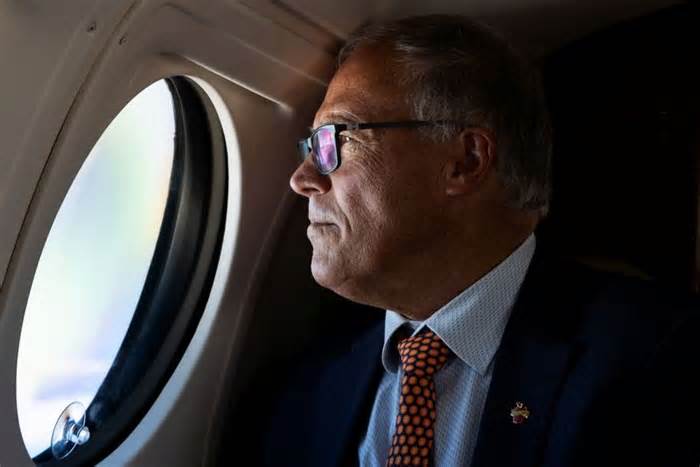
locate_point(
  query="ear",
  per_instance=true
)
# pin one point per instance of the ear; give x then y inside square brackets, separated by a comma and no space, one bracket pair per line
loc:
[471,163]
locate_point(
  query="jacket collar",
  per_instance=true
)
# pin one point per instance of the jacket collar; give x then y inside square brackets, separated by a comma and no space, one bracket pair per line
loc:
[348,393]
[536,354]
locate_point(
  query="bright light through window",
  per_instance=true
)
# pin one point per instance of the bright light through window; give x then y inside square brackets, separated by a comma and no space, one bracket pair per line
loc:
[94,265]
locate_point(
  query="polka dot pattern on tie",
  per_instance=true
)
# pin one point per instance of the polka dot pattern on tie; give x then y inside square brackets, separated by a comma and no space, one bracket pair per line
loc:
[421,357]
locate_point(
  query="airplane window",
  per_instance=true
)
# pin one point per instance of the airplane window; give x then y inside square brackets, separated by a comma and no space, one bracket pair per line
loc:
[111,305]
[94,264]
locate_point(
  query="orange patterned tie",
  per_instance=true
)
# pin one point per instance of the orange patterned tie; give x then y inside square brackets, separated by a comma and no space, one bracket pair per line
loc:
[421,357]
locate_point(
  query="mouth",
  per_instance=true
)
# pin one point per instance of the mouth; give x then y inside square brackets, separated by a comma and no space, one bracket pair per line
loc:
[320,228]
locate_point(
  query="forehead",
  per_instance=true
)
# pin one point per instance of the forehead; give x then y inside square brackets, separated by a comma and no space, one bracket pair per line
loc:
[366,87]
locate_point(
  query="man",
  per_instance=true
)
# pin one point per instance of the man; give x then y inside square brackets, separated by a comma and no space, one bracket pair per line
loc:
[427,173]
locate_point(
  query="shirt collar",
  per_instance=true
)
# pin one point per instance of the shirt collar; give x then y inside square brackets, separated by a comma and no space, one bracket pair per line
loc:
[472,323]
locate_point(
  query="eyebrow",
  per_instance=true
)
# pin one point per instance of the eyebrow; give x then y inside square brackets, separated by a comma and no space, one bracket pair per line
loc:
[339,116]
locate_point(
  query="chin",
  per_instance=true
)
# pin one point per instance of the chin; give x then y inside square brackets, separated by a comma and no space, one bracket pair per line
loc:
[339,281]
[329,274]
[325,274]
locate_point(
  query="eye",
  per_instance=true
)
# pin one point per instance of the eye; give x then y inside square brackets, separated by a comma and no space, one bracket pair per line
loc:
[349,142]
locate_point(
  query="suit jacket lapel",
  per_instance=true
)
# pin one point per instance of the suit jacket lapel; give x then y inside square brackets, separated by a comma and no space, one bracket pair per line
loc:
[536,353]
[349,390]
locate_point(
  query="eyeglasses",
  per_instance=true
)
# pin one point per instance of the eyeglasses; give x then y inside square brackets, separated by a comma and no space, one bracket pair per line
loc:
[324,142]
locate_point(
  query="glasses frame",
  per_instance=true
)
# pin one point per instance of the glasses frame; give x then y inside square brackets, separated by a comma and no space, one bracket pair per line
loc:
[305,146]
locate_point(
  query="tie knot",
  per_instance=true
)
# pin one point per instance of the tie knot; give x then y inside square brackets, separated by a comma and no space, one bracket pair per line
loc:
[423,354]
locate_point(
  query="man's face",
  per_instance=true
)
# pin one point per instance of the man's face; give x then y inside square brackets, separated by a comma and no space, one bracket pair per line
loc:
[380,209]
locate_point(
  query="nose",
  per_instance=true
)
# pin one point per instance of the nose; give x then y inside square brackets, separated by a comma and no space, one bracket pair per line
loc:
[306,181]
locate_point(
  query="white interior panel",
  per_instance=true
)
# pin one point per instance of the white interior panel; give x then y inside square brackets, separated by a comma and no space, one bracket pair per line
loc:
[268,102]
[340,18]
[47,50]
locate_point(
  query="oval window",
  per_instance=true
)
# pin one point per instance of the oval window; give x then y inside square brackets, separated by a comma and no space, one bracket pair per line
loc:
[95,318]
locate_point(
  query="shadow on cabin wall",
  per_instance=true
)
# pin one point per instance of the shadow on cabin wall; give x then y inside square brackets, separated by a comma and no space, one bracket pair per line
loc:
[624,104]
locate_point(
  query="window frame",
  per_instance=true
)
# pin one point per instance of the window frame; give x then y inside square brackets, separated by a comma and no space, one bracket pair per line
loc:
[178,282]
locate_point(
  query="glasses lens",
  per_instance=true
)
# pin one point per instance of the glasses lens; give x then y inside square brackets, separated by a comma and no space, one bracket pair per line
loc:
[324,151]
[303,148]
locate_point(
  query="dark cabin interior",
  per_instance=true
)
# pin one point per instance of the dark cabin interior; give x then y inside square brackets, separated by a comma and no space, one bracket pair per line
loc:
[624,107]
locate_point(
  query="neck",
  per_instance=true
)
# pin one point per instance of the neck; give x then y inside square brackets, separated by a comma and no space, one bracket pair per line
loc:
[435,278]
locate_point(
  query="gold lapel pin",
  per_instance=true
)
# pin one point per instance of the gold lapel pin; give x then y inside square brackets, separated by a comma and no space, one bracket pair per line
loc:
[520,413]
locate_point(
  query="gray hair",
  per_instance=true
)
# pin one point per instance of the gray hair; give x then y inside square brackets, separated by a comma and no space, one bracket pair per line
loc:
[462,71]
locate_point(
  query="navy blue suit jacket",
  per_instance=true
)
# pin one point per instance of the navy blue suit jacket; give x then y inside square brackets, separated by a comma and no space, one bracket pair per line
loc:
[609,368]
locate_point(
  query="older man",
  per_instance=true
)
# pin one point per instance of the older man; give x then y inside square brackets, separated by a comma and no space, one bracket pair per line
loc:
[427,173]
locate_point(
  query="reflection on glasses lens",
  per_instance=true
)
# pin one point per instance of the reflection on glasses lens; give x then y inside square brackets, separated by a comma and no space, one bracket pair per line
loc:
[324,151]
[303,149]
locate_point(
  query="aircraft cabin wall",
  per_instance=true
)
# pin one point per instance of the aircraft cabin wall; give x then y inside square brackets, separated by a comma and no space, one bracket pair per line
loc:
[72,76]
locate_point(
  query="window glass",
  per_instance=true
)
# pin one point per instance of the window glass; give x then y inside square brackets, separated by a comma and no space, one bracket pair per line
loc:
[94,264]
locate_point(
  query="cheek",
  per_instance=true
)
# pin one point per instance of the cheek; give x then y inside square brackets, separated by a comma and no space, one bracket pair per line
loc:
[363,204]
[365,209]
[385,198]
[376,214]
